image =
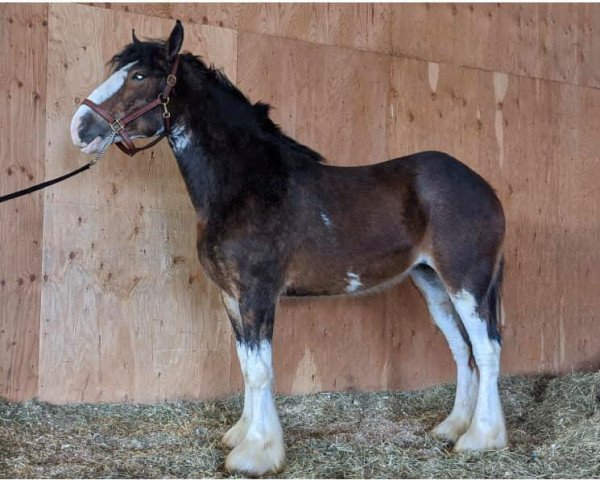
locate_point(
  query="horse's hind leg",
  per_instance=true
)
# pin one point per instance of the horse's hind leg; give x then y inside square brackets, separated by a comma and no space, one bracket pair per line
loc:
[480,310]
[445,317]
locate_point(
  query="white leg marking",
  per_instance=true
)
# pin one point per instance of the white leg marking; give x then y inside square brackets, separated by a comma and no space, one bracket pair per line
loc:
[487,430]
[106,90]
[353,282]
[445,317]
[236,434]
[262,450]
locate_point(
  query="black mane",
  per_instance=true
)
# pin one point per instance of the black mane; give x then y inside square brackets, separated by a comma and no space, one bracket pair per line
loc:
[152,53]
[260,109]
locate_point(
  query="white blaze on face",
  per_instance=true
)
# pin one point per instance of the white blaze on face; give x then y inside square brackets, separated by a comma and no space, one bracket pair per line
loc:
[106,90]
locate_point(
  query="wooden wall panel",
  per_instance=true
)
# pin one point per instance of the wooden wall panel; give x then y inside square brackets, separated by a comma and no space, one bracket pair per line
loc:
[127,314]
[360,26]
[552,41]
[24,33]
[333,99]
[578,230]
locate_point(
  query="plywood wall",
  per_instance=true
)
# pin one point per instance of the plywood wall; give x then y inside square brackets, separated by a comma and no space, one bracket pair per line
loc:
[121,306]
[558,42]
[23,36]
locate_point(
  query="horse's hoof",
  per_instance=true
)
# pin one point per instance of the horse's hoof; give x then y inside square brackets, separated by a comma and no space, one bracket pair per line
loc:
[451,429]
[236,434]
[256,457]
[476,439]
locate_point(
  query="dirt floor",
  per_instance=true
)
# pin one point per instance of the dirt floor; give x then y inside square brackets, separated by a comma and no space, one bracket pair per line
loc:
[554,429]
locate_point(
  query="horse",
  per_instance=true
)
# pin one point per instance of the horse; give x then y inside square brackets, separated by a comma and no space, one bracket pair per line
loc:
[275,219]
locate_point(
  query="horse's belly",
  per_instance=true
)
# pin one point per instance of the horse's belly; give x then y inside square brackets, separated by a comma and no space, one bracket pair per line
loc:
[352,274]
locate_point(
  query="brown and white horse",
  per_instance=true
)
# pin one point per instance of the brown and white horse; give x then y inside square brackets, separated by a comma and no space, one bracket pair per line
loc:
[274,219]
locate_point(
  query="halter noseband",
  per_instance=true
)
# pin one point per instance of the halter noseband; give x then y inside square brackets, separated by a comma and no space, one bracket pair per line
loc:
[118,125]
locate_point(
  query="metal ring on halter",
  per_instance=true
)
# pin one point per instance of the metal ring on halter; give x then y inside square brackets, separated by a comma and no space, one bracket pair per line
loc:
[117,126]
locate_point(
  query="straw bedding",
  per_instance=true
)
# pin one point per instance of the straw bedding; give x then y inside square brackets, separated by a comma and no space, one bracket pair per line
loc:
[554,429]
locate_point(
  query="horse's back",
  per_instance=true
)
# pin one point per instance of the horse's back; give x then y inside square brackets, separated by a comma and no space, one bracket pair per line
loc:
[440,184]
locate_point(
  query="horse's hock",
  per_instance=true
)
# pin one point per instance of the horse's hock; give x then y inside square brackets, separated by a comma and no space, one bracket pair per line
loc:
[102,298]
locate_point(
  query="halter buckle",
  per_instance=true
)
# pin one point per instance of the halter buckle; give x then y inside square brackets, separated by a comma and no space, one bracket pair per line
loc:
[117,126]
[171,80]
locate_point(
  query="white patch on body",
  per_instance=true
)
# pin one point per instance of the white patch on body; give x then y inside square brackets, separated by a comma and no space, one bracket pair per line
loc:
[179,138]
[445,317]
[487,430]
[261,450]
[106,90]
[326,220]
[353,281]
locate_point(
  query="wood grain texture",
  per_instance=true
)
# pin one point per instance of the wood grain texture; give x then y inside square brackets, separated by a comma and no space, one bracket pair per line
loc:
[551,41]
[559,42]
[360,26]
[24,33]
[127,314]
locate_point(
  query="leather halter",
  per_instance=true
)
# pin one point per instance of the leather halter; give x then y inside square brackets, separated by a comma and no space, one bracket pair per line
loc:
[118,125]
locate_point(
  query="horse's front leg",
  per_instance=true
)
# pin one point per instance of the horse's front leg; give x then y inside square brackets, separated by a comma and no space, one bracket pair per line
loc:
[236,434]
[257,437]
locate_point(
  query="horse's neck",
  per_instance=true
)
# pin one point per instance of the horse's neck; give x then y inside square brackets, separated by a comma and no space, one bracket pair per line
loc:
[207,143]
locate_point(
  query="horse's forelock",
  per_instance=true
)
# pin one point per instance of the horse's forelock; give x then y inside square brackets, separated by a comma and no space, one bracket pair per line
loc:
[142,52]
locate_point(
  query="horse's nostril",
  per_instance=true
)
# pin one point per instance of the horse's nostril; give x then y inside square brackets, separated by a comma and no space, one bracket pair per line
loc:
[87,128]
[75,124]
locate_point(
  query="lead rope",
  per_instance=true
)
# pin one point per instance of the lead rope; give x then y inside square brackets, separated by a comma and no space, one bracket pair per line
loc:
[39,186]
[104,148]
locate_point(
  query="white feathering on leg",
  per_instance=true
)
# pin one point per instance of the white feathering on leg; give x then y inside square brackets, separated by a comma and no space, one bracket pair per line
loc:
[262,449]
[488,429]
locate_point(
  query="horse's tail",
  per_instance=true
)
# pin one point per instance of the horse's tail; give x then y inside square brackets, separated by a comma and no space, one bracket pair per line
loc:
[496,312]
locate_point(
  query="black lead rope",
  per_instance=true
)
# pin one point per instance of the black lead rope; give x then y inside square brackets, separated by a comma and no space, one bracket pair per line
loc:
[47,183]
[39,186]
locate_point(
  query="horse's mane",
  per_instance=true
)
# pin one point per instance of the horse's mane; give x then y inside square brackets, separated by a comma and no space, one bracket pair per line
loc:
[148,51]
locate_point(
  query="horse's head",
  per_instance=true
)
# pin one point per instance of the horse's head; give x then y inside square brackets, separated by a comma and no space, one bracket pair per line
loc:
[139,76]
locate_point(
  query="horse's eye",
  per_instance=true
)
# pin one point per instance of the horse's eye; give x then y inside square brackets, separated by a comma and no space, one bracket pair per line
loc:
[139,77]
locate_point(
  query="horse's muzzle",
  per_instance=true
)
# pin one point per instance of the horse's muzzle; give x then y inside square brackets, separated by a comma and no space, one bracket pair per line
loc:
[87,130]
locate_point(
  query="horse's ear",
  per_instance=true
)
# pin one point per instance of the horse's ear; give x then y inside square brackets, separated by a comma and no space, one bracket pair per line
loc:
[135,39]
[175,41]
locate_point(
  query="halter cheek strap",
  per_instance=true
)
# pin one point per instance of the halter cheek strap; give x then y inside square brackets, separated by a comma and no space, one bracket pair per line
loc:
[118,125]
